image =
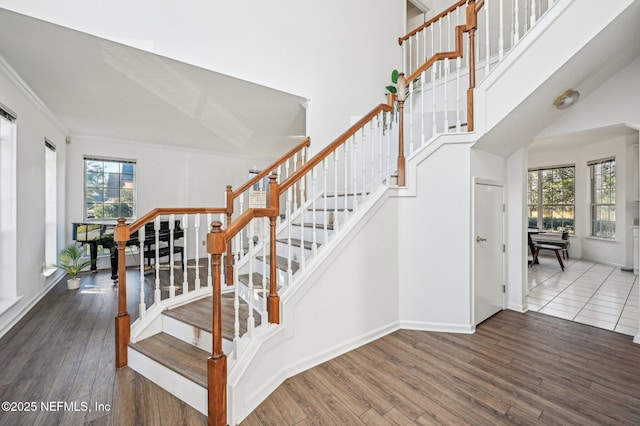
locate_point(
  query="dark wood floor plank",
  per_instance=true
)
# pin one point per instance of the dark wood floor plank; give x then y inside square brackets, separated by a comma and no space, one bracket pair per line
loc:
[516,369]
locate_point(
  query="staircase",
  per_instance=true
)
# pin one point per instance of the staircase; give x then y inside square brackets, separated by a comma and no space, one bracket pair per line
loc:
[325,232]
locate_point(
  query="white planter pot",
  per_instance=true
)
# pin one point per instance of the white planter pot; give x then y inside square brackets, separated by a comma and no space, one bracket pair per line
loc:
[73,284]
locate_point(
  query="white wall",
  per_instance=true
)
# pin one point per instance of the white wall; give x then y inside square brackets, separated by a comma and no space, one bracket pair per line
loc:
[33,125]
[337,54]
[618,251]
[434,239]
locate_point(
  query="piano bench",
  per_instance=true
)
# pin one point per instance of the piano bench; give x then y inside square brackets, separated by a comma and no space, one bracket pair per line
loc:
[164,252]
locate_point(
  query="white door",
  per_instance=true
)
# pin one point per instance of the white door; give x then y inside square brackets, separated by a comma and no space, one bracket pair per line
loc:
[488,251]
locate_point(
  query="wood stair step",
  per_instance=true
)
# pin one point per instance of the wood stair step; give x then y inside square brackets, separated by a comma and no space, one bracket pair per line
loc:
[199,315]
[319,226]
[181,357]
[282,263]
[296,242]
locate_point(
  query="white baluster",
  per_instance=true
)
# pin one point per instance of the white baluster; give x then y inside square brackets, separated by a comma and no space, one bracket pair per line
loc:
[209,270]
[379,133]
[516,22]
[446,78]
[250,319]
[239,240]
[355,172]
[141,237]
[336,222]
[251,259]
[408,98]
[196,225]
[289,248]
[223,269]
[404,56]
[302,208]
[410,52]
[372,164]
[265,246]
[346,178]
[488,39]
[172,288]
[501,33]
[314,242]
[156,227]
[236,321]
[388,151]
[423,78]
[534,16]
[458,66]
[363,138]
[433,101]
[324,195]
[185,228]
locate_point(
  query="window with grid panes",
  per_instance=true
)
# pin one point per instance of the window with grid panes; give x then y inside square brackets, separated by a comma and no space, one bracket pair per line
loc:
[603,198]
[551,198]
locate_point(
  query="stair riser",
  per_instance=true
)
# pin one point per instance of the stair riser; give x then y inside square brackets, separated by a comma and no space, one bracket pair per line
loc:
[282,249]
[325,216]
[176,384]
[282,274]
[340,201]
[309,232]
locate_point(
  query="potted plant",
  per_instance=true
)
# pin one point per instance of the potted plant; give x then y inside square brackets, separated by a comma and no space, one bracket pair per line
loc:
[392,90]
[70,259]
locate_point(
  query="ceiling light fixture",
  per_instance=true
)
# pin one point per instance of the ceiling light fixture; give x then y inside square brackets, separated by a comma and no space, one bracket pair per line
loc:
[566,99]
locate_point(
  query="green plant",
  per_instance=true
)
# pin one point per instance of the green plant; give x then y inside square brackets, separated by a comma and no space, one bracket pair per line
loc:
[70,259]
[394,79]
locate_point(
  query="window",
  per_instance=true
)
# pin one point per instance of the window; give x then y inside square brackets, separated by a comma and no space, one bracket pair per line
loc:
[50,207]
[8,208]
[603,197]
[551,198]
[109,188]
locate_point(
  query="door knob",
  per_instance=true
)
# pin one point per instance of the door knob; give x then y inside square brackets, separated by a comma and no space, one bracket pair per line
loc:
[480,240]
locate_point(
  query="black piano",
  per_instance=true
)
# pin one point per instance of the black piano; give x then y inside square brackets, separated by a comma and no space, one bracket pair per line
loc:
[101,233]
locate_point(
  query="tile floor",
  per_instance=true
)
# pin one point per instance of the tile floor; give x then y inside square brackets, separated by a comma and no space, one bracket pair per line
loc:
[591,293]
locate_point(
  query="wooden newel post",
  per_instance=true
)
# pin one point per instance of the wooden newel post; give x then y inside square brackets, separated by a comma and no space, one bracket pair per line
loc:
[229,257]
[273,301]
[402,89]
[217,363]
[472,25]
[123,321]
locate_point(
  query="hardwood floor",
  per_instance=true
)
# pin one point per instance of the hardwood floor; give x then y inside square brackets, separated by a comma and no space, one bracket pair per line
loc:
[516,369]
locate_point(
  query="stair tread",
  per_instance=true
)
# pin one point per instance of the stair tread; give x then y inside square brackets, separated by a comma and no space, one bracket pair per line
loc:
[282,263]
[199,314]
[319,226]
[181,357]
[296,242]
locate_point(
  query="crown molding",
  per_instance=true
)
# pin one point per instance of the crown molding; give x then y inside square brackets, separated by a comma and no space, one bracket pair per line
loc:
[26,90]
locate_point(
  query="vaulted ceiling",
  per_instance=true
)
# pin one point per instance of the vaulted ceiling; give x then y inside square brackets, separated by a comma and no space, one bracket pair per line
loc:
[99,88]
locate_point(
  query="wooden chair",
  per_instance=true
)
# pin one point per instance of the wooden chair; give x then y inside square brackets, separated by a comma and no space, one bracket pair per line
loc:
[563,243]
[555,248]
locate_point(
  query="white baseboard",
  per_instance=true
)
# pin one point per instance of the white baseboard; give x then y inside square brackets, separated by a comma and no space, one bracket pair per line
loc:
[54,280]
[438,327]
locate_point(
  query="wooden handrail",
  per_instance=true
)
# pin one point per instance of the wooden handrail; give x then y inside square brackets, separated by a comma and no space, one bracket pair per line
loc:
[139,223]
[432,20]
[460,30]
[271,167]
[310,164]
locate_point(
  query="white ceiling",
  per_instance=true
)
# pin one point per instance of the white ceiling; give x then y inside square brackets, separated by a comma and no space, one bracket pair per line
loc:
[99,88]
